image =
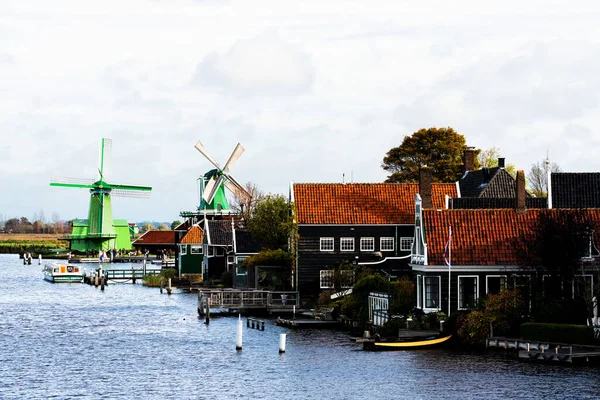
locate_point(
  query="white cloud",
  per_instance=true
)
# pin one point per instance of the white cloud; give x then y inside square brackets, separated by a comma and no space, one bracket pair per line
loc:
[263,65]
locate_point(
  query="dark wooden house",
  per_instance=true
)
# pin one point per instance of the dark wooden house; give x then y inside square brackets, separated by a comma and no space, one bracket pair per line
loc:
[360,223]
[454,272]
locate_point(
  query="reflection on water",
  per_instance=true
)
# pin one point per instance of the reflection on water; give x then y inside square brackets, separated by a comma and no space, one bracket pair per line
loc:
[131,342]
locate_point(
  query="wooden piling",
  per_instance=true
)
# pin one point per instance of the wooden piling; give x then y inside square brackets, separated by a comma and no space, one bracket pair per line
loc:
[96,279]
[169,286]
[207,320]
[102,279]
[161,284]
[281,343]
[238,341]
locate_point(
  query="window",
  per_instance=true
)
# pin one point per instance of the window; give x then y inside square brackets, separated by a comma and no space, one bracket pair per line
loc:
[210,251]
[183,249]
[582,286]
[367,244]
[495,284]
[347,278]
[386,244]
[196,249]
[405,244]
[467,292]
[347,244]
[326,279]
[241,268]
[432,292]
[326,244]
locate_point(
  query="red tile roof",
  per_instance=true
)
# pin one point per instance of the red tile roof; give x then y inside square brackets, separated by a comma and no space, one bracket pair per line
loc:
[156,237]
[193,236]
[362,203]
[480,237]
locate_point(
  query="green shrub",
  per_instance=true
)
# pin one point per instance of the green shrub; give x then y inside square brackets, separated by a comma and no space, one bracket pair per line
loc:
[558,333]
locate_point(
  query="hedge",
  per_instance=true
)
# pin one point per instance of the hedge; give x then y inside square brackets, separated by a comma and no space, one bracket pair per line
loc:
[558,333]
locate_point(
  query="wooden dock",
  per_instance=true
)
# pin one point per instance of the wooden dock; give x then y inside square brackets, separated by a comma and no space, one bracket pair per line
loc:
[308,323]
[247,299]
[548,352]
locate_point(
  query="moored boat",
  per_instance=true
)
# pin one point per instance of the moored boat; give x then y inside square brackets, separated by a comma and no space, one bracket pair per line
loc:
[406,344]
[58,272]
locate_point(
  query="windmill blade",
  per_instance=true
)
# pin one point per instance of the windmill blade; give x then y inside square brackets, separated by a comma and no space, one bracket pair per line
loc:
[105,156]
[138,194]
[64,181]
[214,189]
[208,189]
[200,147]
[236,188]
[129,187]
[237,152]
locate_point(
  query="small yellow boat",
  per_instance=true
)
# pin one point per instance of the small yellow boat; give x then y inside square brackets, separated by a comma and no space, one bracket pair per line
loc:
[406,345]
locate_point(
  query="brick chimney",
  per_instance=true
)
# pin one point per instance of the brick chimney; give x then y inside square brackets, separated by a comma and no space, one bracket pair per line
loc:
[425,180]
[521,194]
[500,162]
[469,163]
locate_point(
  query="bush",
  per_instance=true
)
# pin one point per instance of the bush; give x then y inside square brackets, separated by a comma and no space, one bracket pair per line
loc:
[475,329]
[558,333]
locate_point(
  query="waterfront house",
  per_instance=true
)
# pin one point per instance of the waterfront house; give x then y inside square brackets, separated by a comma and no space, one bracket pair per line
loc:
[360,223]
[190,253]
[479,258]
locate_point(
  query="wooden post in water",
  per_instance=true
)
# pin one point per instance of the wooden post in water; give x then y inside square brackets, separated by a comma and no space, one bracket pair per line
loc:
[96,279]
[40,259]
[161,284]
[238,341]
[247,322]
[169,287]
[102,279]
[207,320]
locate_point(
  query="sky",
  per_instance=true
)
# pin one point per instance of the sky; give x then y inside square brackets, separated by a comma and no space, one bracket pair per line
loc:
[315,91]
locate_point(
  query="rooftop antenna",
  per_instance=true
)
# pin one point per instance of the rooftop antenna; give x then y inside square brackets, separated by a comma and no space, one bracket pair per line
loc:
[343,178]
[351,176]
[548,179]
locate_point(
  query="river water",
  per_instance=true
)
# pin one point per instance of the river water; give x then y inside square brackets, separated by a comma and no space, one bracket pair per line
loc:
[73,341]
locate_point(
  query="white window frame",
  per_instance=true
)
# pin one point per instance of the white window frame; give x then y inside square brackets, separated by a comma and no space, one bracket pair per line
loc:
[325,244]
[182,249]
[326,275]
[364,241]
[348,240]
[487,282]
[430,309]
[194,249]
[387,239]
[403,241]
[458,291]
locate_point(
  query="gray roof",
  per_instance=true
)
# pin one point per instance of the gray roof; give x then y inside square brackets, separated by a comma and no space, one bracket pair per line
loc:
[575,189]
[488,182]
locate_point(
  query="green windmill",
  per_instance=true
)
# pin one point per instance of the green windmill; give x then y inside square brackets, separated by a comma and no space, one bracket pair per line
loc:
[100,231]
[212,184]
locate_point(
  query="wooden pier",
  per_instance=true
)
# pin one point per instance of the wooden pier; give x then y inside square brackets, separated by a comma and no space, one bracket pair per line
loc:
[248,299]
[548,352]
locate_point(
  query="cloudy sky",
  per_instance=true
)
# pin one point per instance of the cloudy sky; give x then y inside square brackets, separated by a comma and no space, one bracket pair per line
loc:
[312,89]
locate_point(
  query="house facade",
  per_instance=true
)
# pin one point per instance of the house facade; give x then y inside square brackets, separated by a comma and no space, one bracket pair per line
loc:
[363,223]
[461,255]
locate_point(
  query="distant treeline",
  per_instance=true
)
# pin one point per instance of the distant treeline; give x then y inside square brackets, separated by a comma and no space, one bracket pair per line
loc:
[23,225]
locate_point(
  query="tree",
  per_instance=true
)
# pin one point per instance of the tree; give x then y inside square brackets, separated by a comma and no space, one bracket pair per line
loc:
[271,222]
[440,149]
[489,159]
[175,224]
[537,178]
[553,250]
[163,227]
[244,205]
[147,227]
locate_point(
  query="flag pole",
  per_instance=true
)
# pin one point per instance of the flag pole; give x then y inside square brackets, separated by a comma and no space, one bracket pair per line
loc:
[449,264]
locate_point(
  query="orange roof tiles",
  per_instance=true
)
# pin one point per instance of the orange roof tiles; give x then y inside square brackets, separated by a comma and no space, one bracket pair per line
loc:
[193,236]
[156,237]
[480,237]
[362,203]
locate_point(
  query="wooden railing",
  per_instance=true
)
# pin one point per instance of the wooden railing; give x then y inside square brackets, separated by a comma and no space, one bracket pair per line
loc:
[240,299]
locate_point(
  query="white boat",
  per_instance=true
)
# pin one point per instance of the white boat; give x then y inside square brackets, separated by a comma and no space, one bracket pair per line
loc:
[58,272]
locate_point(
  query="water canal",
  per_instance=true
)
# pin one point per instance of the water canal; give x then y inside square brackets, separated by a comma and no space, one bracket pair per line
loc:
[131,342]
